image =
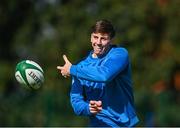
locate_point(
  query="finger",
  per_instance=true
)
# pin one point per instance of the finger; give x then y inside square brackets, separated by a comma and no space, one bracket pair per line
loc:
[99,108]
[65,59]
[94,112]
[99,103]
[92,102]
[93,106]
[59,67]
[93,109]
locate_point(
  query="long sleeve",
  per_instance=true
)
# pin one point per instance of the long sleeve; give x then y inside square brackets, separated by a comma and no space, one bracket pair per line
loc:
[80,107]
[113,64]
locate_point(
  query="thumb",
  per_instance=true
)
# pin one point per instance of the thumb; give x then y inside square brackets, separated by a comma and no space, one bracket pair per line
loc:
[92,102]
[65,59]
[99,103]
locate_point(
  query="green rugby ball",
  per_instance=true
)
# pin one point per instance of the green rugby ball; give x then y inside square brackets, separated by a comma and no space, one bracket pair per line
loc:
[29,74]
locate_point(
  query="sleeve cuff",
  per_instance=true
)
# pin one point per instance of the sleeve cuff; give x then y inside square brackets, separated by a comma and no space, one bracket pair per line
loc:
[87,110]
[73,70]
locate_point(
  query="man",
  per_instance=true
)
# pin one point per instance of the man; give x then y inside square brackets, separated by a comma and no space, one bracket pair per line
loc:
[101,83]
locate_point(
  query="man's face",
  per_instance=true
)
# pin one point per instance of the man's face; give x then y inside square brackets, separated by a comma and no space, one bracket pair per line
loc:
[100,43]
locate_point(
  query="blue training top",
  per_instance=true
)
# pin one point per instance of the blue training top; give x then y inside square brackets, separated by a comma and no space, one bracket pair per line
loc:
[107,78]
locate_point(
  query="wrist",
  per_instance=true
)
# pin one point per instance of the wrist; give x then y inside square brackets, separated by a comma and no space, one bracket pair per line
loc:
[73,70]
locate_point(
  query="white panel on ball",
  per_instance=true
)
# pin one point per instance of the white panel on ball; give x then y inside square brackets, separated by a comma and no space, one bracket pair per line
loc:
[33,63]
[34,77]
[19,78]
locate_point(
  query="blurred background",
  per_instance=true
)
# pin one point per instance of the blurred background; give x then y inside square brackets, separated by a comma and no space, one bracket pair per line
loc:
[44,30]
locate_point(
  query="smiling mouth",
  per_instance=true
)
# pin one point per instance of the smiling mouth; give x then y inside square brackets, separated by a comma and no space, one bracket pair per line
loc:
[98,48]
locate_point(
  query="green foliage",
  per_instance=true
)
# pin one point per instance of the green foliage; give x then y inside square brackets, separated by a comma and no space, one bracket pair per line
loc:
[45,30]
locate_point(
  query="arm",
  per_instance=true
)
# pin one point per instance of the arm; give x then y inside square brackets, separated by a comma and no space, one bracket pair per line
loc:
[104,72]
[80,107]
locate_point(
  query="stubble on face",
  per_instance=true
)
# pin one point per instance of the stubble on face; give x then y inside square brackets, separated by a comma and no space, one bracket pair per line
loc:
[100,43]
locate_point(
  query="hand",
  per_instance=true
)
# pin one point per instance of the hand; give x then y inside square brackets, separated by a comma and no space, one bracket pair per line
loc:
[65,70]
[95,106]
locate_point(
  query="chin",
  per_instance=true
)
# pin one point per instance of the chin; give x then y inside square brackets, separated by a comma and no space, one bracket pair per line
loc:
[99,54]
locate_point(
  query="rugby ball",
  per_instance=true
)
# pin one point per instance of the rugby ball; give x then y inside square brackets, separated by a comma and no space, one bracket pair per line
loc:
[29,74]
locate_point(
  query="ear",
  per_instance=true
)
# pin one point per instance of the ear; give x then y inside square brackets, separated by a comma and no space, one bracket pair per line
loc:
[91,38]
[111,40]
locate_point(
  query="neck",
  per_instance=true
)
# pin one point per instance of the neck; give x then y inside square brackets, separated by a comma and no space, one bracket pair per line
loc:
[94,55]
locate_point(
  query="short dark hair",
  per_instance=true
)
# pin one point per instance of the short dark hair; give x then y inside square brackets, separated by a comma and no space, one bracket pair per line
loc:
[103,26]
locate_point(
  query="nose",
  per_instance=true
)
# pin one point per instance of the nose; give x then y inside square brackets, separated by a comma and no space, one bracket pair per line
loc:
[99,41]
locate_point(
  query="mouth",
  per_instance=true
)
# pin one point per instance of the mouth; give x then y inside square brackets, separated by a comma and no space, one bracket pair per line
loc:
[98,48]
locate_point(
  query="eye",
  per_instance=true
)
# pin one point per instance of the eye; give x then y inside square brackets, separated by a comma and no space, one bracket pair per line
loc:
[104,38]
[95,37]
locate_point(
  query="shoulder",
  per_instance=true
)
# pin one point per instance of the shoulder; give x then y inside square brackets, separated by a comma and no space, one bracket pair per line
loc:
[119,50]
